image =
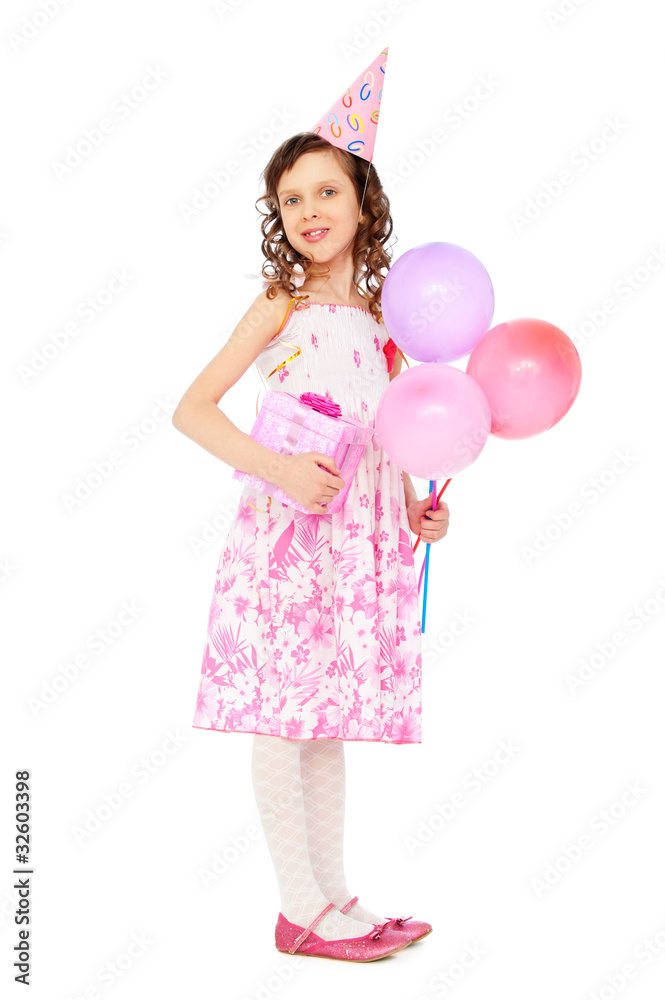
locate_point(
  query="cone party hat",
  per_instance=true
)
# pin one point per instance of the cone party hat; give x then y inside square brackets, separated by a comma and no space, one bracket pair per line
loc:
[351,123]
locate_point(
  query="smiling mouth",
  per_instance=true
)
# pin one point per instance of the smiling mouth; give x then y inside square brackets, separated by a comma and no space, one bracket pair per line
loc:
[315,235]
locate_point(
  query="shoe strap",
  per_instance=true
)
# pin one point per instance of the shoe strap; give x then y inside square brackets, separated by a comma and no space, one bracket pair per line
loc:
[347,906]
[308,930]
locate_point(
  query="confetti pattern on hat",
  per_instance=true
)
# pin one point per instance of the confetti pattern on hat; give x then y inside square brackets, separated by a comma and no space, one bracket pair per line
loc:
[352,121]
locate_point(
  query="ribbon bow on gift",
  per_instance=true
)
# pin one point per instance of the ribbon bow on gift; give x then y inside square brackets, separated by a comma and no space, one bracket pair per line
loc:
[324,404]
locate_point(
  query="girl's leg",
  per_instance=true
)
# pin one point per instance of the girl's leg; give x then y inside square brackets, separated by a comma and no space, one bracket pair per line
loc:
[324,787]
[277,783]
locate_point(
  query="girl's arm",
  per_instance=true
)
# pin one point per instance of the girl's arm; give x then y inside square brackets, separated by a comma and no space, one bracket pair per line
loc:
[198,415]
[409,490]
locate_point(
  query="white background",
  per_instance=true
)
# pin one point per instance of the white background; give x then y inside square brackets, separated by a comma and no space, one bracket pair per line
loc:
[136,539]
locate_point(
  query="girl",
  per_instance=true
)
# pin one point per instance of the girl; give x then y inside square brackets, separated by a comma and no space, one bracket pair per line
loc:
[314,629]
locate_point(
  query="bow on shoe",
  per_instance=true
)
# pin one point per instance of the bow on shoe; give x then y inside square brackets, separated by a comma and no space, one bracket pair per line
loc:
[401,920]
[378,930]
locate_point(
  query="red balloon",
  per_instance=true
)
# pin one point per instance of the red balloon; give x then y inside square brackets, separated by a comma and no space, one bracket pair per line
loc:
[530,372]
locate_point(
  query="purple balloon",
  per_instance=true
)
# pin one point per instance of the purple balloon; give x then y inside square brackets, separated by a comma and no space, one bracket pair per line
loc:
[433,420]
[437,302]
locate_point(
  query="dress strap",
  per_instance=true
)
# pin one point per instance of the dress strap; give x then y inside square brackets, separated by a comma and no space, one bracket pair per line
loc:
[300,299]
[285,315]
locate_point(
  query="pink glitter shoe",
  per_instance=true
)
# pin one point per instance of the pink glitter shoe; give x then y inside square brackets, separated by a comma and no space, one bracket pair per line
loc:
[414,929]
[378,943]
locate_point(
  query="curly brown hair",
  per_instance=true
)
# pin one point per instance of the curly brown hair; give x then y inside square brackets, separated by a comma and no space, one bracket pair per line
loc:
[370,256]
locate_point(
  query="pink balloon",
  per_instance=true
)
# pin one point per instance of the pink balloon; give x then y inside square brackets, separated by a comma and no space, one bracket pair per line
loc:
[433,420]
[530,372]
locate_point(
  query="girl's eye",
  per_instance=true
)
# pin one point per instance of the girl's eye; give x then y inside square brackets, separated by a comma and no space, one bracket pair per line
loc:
[288,200]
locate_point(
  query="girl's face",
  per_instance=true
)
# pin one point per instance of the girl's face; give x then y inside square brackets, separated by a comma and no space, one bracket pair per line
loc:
[317,194]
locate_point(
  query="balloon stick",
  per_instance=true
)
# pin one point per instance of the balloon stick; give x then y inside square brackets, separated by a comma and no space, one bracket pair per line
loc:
[433,508]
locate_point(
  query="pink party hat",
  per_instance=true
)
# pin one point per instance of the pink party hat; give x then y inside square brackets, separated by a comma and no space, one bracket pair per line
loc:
[352,121]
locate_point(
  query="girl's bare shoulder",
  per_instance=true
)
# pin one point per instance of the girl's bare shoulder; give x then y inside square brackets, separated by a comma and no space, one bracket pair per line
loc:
[280,298]
[262,320]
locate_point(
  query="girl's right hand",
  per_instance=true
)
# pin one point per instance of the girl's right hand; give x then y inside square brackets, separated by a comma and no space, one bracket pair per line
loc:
[309,484]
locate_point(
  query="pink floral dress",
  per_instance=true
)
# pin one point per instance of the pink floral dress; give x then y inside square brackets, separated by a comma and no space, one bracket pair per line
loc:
[314,624]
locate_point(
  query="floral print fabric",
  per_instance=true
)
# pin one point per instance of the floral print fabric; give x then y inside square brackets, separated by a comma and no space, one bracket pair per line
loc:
[314,624]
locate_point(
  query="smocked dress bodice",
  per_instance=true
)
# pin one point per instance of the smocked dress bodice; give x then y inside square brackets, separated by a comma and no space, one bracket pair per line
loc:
[341,354]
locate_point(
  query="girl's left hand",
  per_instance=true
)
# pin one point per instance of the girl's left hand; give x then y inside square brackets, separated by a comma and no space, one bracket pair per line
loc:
[430,524]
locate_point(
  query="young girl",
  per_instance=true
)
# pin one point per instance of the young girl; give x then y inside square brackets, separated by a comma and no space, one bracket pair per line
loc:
[314,629]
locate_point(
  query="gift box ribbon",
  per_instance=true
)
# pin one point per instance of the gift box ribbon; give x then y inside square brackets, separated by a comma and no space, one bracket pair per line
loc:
[298,418]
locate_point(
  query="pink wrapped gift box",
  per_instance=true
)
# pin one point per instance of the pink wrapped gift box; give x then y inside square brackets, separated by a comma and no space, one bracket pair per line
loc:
[291,425]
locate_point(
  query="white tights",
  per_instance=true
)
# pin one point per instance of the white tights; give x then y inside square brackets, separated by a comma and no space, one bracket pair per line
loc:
[299,787]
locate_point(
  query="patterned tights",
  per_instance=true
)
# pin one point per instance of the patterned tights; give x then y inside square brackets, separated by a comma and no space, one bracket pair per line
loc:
[299,787]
